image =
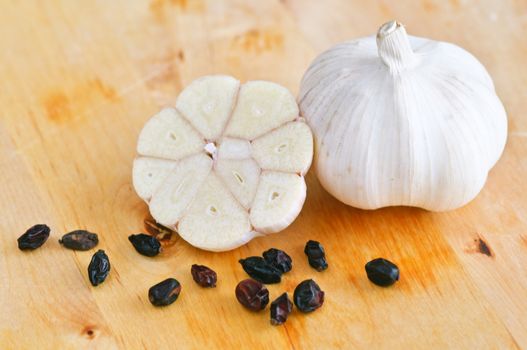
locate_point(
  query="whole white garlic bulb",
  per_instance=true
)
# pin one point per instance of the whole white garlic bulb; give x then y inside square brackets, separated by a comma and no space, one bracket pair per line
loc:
[401,120]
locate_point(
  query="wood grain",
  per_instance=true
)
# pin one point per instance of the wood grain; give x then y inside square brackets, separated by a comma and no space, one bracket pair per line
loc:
[81,78]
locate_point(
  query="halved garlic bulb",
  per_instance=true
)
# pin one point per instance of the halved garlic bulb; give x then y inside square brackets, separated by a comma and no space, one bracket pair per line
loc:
[226,164]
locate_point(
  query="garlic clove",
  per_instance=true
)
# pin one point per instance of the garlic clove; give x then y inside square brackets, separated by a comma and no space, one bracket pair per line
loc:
[279,199]
[215,220]
[234,149]
[179,189]
[149,174]
[261,107]
[241,177]
[288,148]
[168,135]
[207,103]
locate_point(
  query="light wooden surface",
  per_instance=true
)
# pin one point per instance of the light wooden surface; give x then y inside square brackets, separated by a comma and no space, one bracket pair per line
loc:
[79,79]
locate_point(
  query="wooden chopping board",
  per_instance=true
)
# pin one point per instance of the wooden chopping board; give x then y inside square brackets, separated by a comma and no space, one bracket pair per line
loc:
[80,78]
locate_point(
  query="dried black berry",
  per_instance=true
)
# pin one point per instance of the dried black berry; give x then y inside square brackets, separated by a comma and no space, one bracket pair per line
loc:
[165,292]
[99,268]
[316,255]
[280,309]
[382,272]
[145,244]
[79,240]
[203,275]
[278,258]
[252,294]
[260,270]
[34,237]
[308,296]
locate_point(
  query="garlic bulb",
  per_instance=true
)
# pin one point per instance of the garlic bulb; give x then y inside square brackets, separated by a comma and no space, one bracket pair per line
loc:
[226,164]
[401,120]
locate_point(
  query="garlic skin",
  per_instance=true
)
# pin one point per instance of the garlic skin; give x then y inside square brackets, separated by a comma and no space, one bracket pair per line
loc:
[402,120]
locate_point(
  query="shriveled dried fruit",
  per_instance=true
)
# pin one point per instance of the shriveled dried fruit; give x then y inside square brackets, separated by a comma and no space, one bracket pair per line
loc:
[308,296]
[252,294]
[382,272]
[165,292]
[99,268]
[226,164]
[260,270]
[145,244]
[279,259]
[79,240]
[203,275]
[34,237]
[157,230]
[316,255]
[280,309]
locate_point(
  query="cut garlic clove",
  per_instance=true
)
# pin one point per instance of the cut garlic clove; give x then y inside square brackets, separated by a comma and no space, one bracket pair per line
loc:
[149,174]
[240,177]
[279,199]
[179,189]
[207,103]
[234,149]
[214,220]
[288,148]
[167,135]
[261,107]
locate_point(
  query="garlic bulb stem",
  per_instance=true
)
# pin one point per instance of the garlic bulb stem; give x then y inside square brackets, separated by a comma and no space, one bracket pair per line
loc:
[394,47]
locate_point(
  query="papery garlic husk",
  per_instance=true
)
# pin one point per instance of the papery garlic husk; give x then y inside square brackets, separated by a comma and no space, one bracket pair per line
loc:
[226,164]
[402,120]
